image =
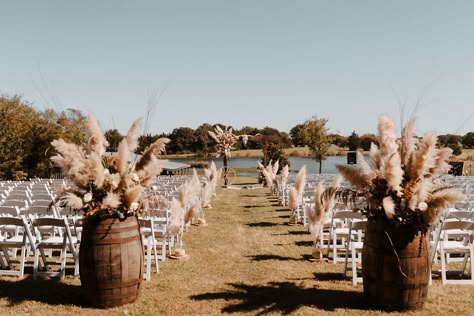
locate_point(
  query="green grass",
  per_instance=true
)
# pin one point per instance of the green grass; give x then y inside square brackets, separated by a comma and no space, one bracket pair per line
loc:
[246,261]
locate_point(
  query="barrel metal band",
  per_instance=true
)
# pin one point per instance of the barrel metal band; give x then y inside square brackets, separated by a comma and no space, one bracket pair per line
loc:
[116,240]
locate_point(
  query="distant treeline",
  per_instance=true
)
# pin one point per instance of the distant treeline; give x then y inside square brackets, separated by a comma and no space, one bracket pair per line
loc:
[26,135]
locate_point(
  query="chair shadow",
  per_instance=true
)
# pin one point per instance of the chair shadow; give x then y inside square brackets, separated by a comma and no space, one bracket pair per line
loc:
[284,298]
[304,243]
[51,291]
[282,210]
[329,276]
[272,257]
[298,232]
[262,224]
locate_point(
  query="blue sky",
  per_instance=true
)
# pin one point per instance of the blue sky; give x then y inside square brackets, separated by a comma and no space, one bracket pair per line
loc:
[256,63]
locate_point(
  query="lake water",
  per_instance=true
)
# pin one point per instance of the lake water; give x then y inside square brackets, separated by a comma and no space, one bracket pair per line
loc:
[329,164]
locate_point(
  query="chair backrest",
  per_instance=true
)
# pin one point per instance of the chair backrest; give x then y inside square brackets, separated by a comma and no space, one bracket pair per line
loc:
[20,226]
[9,211]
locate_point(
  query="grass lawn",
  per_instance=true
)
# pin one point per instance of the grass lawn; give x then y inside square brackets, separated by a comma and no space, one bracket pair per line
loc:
[246,261]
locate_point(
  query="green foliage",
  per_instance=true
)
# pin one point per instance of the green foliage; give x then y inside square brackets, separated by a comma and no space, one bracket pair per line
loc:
[26,134]
[457,149]
[353,141]
[339,140]
[366,140]
[114,138]
[275,153]
[296,134]
[182,140]
[468,140]
[316,137]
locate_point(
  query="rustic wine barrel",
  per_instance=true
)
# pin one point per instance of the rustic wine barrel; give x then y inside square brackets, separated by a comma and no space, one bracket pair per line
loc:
[111,261]
[395,266]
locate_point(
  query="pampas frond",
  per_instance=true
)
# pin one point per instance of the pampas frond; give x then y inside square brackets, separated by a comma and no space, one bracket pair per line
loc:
[300,180]
[444,198]
[133,134]
[132,195]
[121,158]
[97,141]
[96,169]
[152,151]
[192,211]
[176,215]
[72,200]
[293,198]
[206,195]
[374,154]
[112,200]
[148,174]
[407,143]
[389,207]
[284,176]
[355,176]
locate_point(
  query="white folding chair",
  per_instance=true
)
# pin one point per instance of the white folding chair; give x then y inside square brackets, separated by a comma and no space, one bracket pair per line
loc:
[339,232]
[149,244]
[354,245]
[61,240]
[463,246]
[21,238]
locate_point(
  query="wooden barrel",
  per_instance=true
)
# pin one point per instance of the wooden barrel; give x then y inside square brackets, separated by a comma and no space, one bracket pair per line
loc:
[111,261]
[395,266]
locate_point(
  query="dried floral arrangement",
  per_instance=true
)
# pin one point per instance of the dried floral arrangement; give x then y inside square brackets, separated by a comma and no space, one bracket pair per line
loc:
[399,183]
[107,185]
[225,140]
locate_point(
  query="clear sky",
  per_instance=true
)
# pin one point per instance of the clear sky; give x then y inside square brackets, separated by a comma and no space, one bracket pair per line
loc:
[257,62]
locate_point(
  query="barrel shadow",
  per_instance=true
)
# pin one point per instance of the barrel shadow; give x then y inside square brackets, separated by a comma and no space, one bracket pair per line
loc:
[52,291]
[284,298]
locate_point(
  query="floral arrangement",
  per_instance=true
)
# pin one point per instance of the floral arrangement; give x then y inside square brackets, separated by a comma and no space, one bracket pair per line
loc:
[225,140]
[399,183]
[107,185]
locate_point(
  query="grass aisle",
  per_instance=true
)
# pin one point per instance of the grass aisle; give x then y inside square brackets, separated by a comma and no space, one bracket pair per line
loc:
[246,261]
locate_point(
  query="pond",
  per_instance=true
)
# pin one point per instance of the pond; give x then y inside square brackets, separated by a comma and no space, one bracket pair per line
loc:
[329,164]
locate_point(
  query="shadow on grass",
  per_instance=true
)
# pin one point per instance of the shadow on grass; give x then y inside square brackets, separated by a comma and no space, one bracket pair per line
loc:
[298,232]
[329,276]
[305,243]
[262,224]
[248,195]
[282,210]
[284,298]
[273,257]
[53,292]
[253,206]
[284,216]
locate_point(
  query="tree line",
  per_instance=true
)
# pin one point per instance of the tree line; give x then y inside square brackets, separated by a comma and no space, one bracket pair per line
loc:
[26,134]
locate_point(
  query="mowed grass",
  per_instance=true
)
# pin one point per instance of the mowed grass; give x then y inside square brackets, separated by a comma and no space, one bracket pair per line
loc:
[246,261]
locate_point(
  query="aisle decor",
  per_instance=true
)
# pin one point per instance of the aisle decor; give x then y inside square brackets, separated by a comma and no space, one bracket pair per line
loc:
[399,192]
[295,196]
[225,140]
[109,190]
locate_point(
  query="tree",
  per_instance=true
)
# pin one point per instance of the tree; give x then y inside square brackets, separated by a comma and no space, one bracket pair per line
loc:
[275,153]
[353,141]
[316,137]
[296,135]
[16,133]
[114,137]
[366,140]
[446,140]
[339,140]
[202,140]
[468,140]
[182,140]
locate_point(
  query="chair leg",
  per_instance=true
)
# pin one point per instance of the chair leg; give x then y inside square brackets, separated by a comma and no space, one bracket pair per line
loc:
[354,266]
[443,267]
[347,258]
